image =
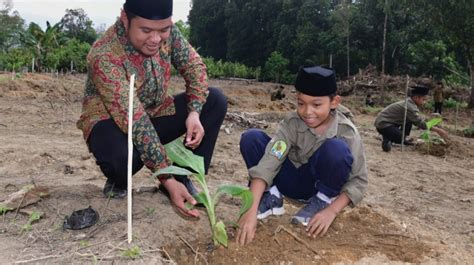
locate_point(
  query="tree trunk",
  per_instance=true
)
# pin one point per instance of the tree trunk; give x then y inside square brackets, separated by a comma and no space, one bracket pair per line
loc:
[347,22]
[348,57]
[471,98]
[382,88]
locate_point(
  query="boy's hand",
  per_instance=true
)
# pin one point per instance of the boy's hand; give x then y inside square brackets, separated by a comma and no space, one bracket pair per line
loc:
[440,132]
[320,223]
[247,228]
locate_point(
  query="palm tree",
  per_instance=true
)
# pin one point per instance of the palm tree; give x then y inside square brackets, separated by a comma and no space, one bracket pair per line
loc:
[42,42]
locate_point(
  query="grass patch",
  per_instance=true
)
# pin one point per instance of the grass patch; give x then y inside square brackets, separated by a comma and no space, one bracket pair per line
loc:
[132,253]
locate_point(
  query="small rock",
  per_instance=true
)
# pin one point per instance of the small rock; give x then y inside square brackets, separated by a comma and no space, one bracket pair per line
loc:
[80,236]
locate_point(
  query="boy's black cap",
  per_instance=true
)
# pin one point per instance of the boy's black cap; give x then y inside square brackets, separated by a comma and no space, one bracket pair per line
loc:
[419,90]
[150,9]
[316,81]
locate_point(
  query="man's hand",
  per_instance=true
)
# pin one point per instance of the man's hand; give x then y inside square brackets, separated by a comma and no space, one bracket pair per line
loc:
[194,130]
[247,227]
[179,195]
[320,223]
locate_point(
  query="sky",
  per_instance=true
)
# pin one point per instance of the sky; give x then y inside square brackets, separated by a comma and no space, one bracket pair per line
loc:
[99,11]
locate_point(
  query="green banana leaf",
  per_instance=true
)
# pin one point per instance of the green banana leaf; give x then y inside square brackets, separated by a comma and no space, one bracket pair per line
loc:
[433,122]
[184,157]
[201,198]
[236,191]
[173,170]
[220,235]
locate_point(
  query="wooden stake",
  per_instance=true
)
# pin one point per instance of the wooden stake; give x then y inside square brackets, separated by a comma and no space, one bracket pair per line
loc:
[130,158]
[456,120]
[405,114]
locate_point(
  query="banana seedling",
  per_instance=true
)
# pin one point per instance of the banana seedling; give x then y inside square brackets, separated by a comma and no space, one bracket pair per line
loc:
[185,158]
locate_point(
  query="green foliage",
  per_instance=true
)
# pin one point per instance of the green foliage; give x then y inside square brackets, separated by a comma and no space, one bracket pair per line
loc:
[132,253]
[150,211]
[468,132]
[185,158]
[218,69]
[451,103]
[84,243]
[53,48]
[429,104]
[183,28]
[426,135]
[275,66]
[428,57]
[76,25]
[72,51]
[207,30]
[4,209]
[16,59]
[433,38]
[34,216]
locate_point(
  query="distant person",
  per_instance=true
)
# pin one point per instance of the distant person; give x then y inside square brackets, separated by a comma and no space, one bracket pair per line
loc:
[369,101]
[144,41]
[438,97]
[389,121]
[316,156]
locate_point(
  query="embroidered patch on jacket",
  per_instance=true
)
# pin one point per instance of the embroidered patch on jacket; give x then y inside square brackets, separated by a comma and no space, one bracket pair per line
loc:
[278,149]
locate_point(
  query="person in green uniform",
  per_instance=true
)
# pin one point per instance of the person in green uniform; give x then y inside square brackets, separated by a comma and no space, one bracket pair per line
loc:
[389,121]
[316,156]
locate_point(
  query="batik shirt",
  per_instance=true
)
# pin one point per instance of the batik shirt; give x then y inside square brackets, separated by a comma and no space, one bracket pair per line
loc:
[298,142]
[111,62]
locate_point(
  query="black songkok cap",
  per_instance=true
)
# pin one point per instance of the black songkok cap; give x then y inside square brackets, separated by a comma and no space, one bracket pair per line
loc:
[316,81]
[419,90]
[150,9]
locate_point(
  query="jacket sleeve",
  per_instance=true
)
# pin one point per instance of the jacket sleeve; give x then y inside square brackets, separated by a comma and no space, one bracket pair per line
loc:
[357,183]
[111,81]
[275,154]
[191,67]
[413,115]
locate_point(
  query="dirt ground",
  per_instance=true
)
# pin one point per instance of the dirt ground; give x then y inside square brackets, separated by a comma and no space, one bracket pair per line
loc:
[418,208]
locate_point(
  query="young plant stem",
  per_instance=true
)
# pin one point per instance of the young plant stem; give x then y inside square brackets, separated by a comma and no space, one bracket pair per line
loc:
[210,209]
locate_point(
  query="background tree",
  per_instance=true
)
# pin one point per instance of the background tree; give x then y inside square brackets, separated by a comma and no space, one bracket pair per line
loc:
[183,28]
[12,26]
[42,42]
[208,31]
[456,20]
[276,67]
[76,24]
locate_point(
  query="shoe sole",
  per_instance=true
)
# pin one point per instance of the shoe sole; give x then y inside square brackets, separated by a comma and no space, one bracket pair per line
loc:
[297,221]
[387,148]
[274,211]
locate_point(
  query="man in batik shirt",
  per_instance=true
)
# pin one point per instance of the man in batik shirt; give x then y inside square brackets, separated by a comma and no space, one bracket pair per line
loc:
[145,42]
